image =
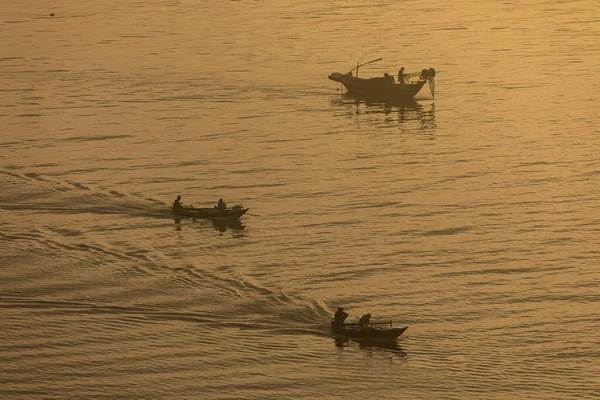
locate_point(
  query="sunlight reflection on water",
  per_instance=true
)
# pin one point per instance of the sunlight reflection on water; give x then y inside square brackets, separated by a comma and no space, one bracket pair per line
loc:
[470,217]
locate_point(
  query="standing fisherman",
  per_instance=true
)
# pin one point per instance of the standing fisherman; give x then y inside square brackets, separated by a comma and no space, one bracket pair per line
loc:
[401,76]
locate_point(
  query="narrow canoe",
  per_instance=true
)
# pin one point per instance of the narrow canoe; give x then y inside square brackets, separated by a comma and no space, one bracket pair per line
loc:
[375,330]
[210,213]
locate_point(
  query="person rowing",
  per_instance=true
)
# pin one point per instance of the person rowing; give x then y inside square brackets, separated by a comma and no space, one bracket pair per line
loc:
[177,203]
[364,320]
[340,316]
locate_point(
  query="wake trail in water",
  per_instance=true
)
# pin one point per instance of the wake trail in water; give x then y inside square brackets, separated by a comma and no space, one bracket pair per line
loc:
[35,193]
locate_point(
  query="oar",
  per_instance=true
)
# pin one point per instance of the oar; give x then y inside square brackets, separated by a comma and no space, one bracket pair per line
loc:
[360,65]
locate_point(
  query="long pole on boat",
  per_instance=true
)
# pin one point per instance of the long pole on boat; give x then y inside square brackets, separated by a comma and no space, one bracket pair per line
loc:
[360,65]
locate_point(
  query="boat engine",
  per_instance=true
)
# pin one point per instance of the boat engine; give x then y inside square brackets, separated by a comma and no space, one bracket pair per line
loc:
[428,73]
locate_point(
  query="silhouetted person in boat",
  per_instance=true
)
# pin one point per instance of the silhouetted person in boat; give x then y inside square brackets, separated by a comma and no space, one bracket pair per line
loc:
[177,203]
[388,77]
[340,316]
[364,320]
[401,76]
[221,205]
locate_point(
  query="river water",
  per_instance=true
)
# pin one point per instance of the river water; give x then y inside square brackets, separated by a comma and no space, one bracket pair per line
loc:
[471,217]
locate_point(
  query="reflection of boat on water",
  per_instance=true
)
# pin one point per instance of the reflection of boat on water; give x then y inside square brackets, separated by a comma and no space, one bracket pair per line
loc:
[223,224]
[372,330]
[219,224]
[347,98]
[215,213]
[406,112]
[370,344]
[385,89]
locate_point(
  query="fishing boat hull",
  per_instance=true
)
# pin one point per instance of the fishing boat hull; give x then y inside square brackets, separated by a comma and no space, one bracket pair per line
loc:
[209,213]
[385,89]
[378,89]
[354,331]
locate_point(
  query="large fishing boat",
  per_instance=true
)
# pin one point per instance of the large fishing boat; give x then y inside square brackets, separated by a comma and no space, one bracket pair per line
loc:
[386,88]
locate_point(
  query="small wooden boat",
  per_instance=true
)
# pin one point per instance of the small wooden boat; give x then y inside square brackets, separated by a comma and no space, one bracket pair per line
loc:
[234,212]
[373,330]
[385,89]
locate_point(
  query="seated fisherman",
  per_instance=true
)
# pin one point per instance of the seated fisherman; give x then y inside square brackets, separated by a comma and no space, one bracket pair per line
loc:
[364,320]
[340,316]
[177,203]
[221,205]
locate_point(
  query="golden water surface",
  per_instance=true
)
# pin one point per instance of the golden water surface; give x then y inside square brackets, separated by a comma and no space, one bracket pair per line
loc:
[471,217]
